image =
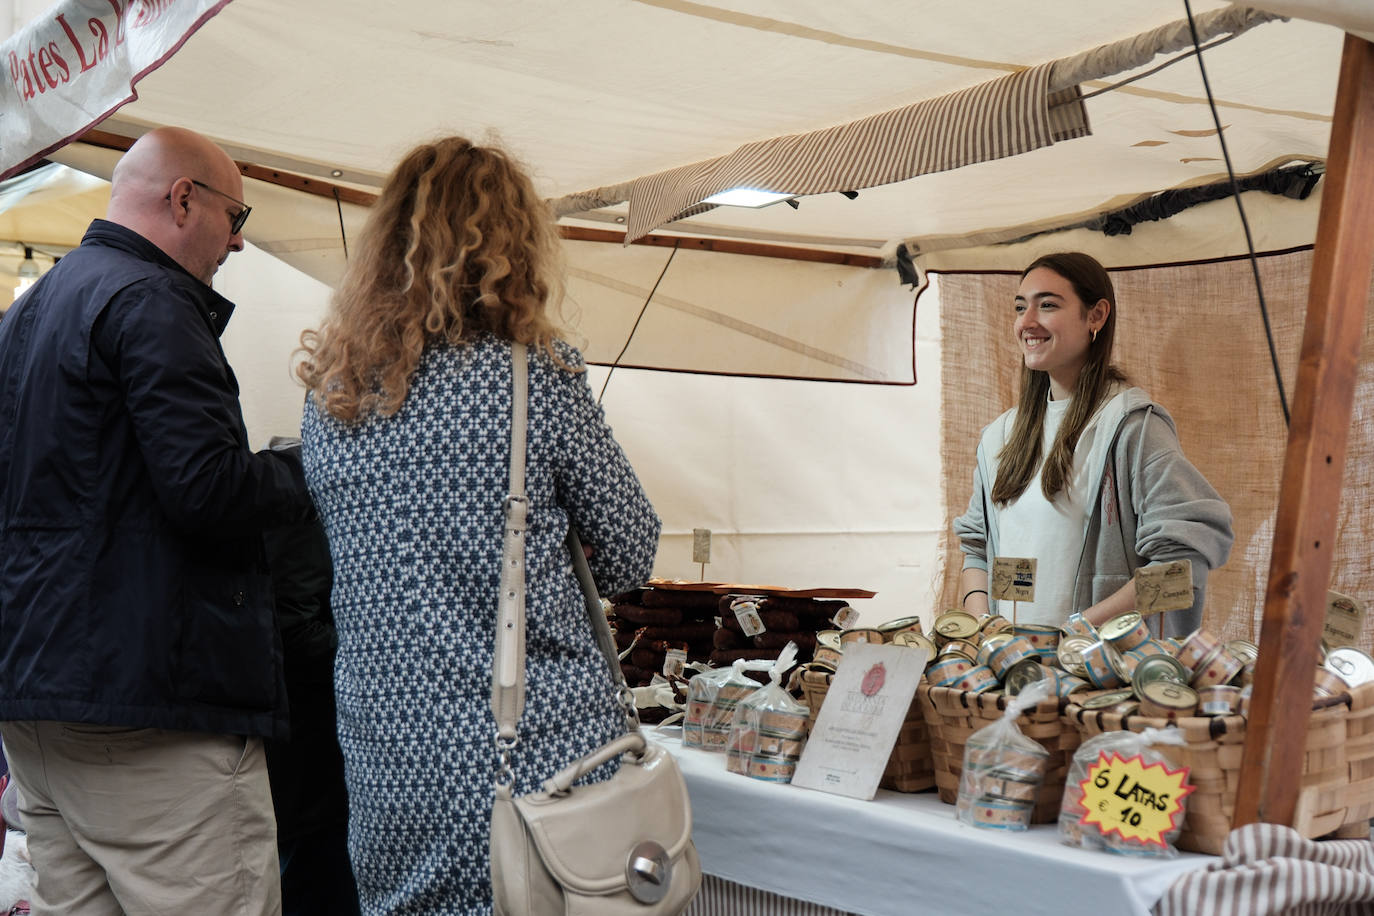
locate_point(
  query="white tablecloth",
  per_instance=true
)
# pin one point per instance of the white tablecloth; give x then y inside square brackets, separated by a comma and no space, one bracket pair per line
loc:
[901,854]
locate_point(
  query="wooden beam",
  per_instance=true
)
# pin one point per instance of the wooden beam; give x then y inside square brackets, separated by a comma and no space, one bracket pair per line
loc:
[725,246]
[1309,498]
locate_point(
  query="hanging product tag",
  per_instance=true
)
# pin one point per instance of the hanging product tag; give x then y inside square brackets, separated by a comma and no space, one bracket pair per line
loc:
[1136,800]
[1013,579]
[845,618]
[675,662]
[747,613]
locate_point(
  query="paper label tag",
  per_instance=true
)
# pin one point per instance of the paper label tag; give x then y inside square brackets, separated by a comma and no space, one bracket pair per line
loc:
[747,613]
[1344,620]
[675,662]
[701,545]
[1164,587]
[845,618]
[1132,799]
[1013,579]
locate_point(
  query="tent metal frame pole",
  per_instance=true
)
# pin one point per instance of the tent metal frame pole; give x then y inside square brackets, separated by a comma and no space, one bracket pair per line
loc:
[1310,492]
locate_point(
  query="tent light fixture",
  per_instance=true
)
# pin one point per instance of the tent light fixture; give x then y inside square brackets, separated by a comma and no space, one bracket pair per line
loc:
[28,272]
[747,197]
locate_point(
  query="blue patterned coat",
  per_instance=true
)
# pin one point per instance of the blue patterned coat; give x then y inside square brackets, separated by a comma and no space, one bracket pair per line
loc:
[413,508]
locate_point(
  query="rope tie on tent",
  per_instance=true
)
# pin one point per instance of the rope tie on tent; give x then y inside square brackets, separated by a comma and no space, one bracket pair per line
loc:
[343,235]
[616,362]
[1245,223]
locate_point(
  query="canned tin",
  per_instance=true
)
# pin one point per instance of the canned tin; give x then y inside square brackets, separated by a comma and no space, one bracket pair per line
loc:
[1219,667]
[784,723]
[991,644]
[1125,708]
[1247,675]
[1243,649]
[1170,644]
[826,657]
[1353,666]
[829,638]
[947,671]
[1199,644]
[1104,665]
[992,624]
[977,679]
[960,647]
[915,641]
[771,770]
[1002,814]
[900,625]
[1107,700]
[1077,625]
[1221,700]
[1165,700]
[1329,684]
[1125,631]
[1148,649]
[1070,654]
[862,634]
[1158,668]
[954,625]
[1044,639]
[1014,650]
[1027,672]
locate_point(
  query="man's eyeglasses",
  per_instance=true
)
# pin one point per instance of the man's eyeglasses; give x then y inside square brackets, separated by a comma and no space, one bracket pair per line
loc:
[238,219]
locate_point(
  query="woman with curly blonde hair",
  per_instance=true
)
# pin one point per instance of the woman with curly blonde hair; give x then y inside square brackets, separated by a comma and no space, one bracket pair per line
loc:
[406,447]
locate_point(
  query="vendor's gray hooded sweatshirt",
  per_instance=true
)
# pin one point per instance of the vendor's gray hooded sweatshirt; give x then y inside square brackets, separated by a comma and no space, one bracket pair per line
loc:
[1153,506]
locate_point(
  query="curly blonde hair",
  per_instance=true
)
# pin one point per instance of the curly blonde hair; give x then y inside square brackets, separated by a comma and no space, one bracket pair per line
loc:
[457,244]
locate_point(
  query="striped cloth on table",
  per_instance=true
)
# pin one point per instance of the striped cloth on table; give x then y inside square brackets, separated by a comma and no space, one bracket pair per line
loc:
[719,897]
[1266,868]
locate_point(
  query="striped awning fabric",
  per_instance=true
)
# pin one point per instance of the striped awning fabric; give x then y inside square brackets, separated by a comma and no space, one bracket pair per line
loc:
[1002,117]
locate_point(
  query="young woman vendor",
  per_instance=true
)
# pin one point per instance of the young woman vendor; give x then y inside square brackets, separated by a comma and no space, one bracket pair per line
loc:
[1085,474]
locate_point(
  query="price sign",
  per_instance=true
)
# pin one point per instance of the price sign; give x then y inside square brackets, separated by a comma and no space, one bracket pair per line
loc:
[1344,620]
[1138,801]
[1164,587]
[1013,579]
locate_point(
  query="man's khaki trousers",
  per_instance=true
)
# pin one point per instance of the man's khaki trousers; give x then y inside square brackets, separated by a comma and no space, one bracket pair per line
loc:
[145,821]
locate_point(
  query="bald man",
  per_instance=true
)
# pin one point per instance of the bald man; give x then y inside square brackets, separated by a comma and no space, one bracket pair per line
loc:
[140,667]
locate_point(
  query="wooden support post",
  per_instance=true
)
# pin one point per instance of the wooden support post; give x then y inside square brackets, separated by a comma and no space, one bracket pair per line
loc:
[1309,500]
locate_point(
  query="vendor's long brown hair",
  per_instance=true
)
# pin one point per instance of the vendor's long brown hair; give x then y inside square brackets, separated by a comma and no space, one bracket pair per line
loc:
[1020,456]
[458,243]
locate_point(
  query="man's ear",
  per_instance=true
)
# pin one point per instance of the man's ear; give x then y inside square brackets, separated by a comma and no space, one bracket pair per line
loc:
[180,201]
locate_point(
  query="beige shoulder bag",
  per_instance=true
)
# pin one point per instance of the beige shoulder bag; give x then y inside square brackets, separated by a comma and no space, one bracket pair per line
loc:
[623,846]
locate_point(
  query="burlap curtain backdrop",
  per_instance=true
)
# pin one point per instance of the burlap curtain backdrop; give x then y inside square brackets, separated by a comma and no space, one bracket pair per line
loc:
[1192,336]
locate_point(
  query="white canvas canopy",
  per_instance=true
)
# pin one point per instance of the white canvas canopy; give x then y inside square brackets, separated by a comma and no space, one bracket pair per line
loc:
[611,103]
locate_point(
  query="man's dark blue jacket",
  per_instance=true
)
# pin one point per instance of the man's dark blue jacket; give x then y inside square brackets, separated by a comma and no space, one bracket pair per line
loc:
[133,584]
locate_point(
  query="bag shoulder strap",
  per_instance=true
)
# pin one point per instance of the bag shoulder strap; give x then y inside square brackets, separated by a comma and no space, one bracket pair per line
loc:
[508,671]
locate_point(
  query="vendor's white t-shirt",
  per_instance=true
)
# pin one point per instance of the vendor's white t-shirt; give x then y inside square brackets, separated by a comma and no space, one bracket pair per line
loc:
[1051,532]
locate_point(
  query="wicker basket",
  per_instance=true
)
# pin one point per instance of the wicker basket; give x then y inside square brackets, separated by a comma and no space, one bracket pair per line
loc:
[1338,767]
[909,769]
[953,715]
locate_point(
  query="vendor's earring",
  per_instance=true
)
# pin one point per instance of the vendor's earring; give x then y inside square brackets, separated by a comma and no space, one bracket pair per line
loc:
[1093,332]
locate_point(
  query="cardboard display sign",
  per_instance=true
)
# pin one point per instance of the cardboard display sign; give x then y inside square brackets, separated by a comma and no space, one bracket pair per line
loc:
[1013,579]
[1134,800]
[1164,587]
[1344,621]
[857,726]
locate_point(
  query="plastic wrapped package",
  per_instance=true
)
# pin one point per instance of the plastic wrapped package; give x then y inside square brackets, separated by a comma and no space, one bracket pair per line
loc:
[702,690]
[769,728]
[722,690]
[1003,769]
[1128,789]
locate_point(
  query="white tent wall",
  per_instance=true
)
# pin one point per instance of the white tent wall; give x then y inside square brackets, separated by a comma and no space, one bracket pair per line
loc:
[802,483]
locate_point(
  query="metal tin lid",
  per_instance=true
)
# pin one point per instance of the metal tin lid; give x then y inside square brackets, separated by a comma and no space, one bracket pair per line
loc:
[1350,665]
[956,625]
[1070,651]
[829,639]
[1022,674]
[1119,625]
[1103,700]
[901,623]
[1243,649]
[913,640]
[996,641]
[1154,668]
[1169,695]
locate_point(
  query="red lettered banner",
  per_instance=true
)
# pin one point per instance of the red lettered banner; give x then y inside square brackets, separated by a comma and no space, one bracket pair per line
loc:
[78,62]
